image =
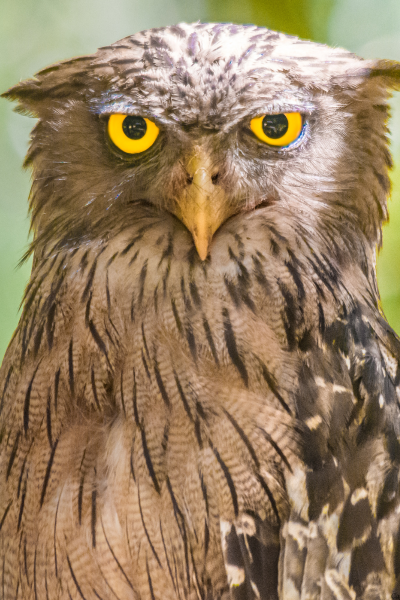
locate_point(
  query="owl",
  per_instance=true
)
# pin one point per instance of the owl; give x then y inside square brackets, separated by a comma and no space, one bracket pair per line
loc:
[201,400]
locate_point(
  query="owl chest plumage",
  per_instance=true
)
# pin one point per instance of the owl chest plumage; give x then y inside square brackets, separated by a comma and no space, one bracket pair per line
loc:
[178,417]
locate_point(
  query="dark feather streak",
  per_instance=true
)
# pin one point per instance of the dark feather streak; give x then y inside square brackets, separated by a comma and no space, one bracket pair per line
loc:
[13,455]
[230,341]
[229,480]
[74,578]
[147,533]
[210,340]
[149,462]
[48,471]
[161,386]
[28,400]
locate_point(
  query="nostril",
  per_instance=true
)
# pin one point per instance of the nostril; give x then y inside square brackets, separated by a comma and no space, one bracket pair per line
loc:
[189,180]
[214,178]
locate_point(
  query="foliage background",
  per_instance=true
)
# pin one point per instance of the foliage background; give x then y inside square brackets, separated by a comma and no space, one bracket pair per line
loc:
[35,33]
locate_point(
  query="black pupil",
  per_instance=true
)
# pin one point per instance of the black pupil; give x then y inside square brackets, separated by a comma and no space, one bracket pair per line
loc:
[134,127]
[275,126]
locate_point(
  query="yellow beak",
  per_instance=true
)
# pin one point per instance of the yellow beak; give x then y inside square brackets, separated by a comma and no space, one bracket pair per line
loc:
[202,206]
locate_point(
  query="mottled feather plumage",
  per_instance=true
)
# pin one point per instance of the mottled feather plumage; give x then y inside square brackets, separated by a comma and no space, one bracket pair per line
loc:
[180,429]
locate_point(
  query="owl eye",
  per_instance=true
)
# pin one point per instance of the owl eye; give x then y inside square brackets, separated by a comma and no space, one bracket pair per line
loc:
[132,134]
[278,130]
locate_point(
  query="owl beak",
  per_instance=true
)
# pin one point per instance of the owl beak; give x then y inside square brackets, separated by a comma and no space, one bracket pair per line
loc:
[202,205]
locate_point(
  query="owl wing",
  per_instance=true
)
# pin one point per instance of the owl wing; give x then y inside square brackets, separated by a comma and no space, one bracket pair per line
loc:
[251,553]
[340,541]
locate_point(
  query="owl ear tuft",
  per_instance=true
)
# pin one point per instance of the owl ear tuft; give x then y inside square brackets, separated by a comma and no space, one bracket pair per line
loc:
[389,71]
[60,81]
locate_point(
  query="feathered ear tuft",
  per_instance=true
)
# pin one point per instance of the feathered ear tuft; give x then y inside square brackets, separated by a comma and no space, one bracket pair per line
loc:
[57,82]
[389,70]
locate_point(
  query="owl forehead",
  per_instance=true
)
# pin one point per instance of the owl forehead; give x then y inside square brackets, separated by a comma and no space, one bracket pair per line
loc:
[215,75]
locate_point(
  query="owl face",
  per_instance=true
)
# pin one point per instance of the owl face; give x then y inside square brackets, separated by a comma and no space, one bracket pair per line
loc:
[241,118]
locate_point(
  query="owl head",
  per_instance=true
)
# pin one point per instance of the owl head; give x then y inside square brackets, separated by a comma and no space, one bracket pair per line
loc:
[208,121]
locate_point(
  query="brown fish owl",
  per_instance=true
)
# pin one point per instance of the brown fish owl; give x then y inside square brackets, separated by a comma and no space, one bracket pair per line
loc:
[201,399]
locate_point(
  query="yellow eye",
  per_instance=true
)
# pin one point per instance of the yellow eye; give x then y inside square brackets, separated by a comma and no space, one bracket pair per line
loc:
[132,134]
[277,130]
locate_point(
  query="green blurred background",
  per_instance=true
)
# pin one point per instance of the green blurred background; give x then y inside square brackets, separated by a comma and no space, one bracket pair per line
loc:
[35,33]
